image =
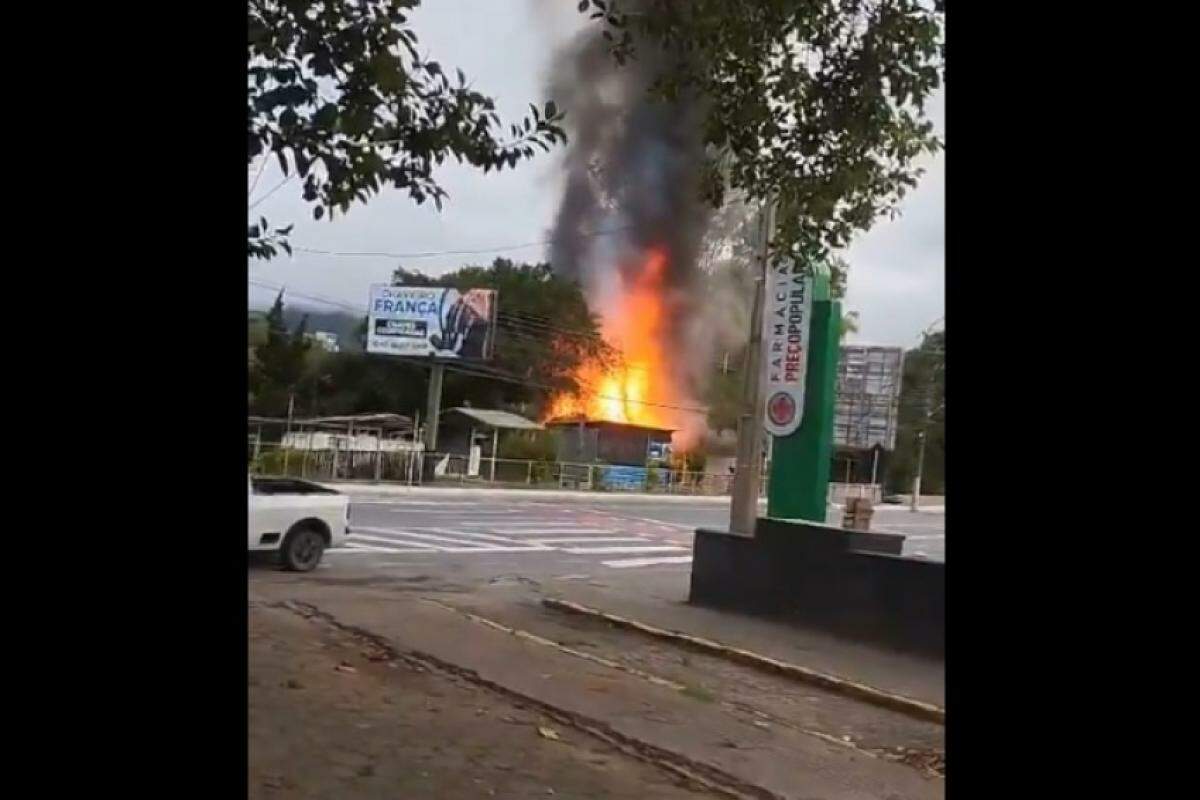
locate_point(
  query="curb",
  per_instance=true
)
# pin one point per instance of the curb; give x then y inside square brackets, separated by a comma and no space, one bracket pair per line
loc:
[861,691]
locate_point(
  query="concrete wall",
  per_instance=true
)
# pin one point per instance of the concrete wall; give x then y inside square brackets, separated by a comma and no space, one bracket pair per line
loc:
[848,584]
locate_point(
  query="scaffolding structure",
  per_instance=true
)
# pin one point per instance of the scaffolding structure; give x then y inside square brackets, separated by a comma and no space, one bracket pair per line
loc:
[867,411]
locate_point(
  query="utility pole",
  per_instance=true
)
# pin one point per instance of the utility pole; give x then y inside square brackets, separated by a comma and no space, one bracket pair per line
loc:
[288,435]
[495,445]
[916,489]
[433,405]
[744,508]
[874,470]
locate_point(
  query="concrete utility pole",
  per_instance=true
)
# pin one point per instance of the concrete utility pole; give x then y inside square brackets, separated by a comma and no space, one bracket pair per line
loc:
[433,404]
[916,489]
[744,508]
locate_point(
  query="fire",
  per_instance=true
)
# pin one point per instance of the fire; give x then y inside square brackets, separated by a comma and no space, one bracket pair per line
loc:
[637,390]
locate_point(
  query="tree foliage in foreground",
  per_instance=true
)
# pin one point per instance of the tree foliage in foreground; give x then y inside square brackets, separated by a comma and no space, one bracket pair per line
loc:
[338,91]
[817,103]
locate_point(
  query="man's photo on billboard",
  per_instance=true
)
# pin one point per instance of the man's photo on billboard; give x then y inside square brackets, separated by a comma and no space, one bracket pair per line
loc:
[465,319]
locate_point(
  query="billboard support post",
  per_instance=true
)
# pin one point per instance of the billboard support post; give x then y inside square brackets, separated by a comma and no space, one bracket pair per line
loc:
[433,406]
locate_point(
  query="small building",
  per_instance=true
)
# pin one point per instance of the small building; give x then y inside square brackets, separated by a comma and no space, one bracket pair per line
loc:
[473,435]
[619,443]
[380,432]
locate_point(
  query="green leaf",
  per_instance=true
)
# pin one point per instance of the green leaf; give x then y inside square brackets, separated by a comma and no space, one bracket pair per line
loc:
[326,116]
[318,212]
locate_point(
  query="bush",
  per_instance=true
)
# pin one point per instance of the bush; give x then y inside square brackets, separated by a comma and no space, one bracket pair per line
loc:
[652,478]
[270,462]
[529,445]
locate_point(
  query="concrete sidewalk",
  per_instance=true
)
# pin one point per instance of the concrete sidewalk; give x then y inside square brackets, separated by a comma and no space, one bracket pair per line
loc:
[683,732]
[900,673]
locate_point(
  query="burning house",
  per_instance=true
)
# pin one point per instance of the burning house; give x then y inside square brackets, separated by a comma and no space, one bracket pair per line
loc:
[584,441]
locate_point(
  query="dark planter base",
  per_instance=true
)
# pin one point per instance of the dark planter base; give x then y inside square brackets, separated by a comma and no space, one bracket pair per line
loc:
[849,583]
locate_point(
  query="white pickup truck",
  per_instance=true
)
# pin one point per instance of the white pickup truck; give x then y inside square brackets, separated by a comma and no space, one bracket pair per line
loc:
[297,518]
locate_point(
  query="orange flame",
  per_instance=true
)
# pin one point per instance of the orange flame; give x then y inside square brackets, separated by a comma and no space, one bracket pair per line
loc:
[636,391]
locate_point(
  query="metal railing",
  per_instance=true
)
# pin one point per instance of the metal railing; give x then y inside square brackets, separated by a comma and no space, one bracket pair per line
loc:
[416,467]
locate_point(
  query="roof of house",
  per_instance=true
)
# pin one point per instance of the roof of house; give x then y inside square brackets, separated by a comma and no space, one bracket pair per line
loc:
[494,418]
[385,421]
[563,422]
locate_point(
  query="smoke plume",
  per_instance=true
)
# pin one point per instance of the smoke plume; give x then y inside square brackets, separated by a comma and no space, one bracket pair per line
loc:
[632,186]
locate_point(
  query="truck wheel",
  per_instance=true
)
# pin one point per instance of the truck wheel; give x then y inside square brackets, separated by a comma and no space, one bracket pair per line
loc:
[302,549]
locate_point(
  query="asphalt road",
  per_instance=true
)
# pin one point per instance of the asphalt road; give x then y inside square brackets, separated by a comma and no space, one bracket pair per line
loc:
[495,538]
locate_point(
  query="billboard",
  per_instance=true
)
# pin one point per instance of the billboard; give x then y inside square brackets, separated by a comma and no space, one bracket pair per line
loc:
[431,321]
[867,410]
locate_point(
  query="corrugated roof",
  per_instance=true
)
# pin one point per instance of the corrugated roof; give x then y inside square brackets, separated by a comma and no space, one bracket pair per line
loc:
[375,420]
[562,422]
[499,419]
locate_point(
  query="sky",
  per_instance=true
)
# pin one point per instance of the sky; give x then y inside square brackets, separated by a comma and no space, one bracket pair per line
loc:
[897,269]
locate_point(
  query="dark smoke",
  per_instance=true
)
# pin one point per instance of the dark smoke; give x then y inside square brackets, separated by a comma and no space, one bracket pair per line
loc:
[633,167]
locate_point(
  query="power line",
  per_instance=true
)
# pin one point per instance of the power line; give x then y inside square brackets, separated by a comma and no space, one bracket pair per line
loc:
[435,253]
[484,372]
[276,188]
[261,169]
[514,321]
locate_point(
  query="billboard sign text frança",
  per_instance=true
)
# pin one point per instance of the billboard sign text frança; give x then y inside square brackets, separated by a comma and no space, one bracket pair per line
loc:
[431,321]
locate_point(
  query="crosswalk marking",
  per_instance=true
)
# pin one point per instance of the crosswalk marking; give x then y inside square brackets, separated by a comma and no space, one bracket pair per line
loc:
[585,539]
[419,530]
[511,531]
[461,539]
[647,562]
[585,551]
[355,547]
[365,537]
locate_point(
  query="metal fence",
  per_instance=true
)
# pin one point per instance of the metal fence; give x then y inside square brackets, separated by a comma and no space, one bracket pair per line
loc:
[415,467]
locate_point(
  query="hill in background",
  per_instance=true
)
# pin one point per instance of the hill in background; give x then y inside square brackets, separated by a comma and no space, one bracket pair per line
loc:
[342,323]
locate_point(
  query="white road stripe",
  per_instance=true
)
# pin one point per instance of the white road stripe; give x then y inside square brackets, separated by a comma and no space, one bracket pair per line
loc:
[660,522]
[586,551]
[542,531]
[458,538]
[458,512]
[438,549]
[355,547]
[585,539]
[647,562]
[433,504]
[544,523]
[363,537]
[487,537]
